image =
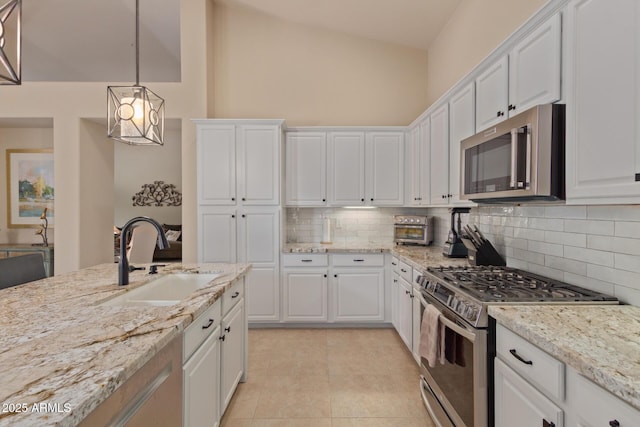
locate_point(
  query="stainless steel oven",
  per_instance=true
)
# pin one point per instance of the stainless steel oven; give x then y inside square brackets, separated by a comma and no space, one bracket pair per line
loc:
[458,390]
[455,393]
[412,230]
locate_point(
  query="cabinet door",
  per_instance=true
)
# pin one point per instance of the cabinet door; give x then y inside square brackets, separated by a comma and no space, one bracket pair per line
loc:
[395,291]
[517,403]
[258,236]
[603,102]
[216,235]
[358,295]
[412,169]
[201,384]
[385,168]
[534,68]
[216,164]
[492,94]
[306,168]
[439,159]
[346,168]
[405,313]
[263,294]
[462,118]
[417,321]
[259,165]
[232,352]
[305,295]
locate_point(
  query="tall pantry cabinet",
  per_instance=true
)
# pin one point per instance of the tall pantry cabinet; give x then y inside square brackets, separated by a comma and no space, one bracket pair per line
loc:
[238,179]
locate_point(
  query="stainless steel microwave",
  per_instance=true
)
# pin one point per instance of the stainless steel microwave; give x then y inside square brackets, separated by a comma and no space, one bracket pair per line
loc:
[520,159]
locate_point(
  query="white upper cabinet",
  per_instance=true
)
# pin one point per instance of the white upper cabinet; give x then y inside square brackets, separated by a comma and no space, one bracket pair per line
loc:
[529,75]
[346,151]
[462,107]
[259,165]
[603,102]
[385,168]
[535,68]
[492,94]
[358,168]
[439,158]
[238,163]
[417,161]
[306,168]
[216,164]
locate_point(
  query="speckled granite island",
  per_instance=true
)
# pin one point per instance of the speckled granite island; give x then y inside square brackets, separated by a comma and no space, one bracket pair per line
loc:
[59,347]
[602,343]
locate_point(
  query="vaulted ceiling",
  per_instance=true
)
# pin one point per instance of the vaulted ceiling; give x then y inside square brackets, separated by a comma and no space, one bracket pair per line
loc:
[93,40]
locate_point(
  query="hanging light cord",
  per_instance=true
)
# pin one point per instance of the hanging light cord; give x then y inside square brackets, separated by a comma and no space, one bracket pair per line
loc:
[137,43]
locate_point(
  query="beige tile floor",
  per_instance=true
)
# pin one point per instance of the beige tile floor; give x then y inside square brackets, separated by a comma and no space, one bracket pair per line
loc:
[328,378]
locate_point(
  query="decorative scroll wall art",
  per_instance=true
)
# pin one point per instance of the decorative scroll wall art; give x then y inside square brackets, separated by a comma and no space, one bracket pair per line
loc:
[157,194]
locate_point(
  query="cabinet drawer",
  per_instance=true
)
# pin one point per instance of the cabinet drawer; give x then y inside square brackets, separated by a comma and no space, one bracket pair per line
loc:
[535,365]
[395,265]
[199,330]
[232,295]
[358,260]
[406,271]
[305,260]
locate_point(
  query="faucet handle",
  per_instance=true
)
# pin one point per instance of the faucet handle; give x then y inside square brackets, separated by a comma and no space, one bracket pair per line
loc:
[133,268]
[153,269]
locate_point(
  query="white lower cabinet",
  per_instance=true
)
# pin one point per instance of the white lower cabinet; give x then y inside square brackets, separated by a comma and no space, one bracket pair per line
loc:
[201,377]
[533,388]
[324,288]
[305,295]
[358,295]
[518,403]
[214,358]
[232,352]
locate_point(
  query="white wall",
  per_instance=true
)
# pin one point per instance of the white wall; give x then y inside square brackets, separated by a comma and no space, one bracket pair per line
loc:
[265,67]
[161,163]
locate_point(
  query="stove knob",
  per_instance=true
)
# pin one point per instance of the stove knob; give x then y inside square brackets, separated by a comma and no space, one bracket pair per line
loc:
[417,220]
[411,220]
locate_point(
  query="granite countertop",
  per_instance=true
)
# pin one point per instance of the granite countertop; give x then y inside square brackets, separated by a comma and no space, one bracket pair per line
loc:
[59,347]
[335,248]
[600,342]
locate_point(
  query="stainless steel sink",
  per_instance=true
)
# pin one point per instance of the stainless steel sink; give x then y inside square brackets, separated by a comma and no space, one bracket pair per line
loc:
[164,291]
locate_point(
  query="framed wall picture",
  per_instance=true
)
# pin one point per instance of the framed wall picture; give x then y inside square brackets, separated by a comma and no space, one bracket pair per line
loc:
[30,187]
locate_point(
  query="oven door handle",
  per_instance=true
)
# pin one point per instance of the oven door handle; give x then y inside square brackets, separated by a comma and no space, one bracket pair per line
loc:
[457,328]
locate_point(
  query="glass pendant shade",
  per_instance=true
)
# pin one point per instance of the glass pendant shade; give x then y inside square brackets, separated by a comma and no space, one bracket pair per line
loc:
[135,115]
[10,42]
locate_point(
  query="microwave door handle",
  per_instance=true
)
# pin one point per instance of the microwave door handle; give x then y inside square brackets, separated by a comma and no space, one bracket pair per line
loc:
[514,157]
[528,177]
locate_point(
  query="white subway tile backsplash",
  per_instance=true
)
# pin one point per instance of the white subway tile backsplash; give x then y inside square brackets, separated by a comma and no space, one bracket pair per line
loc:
[571,212]
[627,295]
[605,228]
[566,265]
[590,256]
[528,233]
[627,229]
[614,244]
[551,273]
[533,257]
[627,262]
[518,263]
[529,211]
[590,283]
[614,212]
[570,239]
[546,248]
[553,224]
[617,277]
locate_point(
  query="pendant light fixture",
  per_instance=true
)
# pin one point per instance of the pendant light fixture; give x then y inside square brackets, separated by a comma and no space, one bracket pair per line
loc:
[135,114]
[10,42]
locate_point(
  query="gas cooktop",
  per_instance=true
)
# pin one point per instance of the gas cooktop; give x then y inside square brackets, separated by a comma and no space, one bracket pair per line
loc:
[468,290]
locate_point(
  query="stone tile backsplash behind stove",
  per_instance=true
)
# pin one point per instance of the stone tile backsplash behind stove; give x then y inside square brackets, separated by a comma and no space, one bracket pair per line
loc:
[597,247]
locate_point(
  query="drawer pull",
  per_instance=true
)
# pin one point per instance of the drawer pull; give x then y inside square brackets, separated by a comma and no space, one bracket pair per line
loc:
[208,325]
[403,270]
[306,260]
[546,423]
[235,295]
[221,338]
[515,354]
[227,329]
[358,260]
[614,423]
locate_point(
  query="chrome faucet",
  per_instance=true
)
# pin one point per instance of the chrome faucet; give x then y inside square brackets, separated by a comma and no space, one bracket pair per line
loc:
[123,264]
